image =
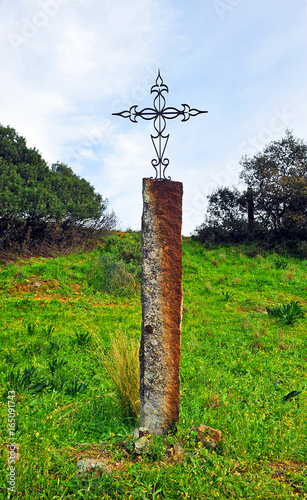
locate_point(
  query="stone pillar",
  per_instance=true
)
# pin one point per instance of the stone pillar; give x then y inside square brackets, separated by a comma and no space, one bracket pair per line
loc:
[161,305]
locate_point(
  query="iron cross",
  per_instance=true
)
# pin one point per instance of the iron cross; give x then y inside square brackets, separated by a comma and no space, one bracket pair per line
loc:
[160,113]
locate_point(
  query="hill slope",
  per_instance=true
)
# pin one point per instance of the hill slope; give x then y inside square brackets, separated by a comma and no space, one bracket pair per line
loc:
[238,366]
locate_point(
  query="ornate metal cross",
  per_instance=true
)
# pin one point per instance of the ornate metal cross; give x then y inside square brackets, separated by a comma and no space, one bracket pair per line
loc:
[160,113]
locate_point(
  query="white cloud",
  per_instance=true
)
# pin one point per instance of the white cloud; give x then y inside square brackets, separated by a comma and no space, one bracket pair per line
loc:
[74,62]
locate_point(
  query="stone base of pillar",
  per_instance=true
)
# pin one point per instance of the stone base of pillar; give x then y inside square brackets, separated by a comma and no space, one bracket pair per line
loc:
[161,305]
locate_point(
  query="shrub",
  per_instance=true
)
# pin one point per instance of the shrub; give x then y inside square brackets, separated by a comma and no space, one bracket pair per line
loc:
[122,365]
[112,276]
[289,313]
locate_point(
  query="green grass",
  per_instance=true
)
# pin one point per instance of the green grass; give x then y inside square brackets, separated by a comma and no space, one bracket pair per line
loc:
[238,365]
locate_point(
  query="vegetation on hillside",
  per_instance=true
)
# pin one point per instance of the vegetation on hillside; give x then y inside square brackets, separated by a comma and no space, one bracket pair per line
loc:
[243,371]
[273,207]
[42,207]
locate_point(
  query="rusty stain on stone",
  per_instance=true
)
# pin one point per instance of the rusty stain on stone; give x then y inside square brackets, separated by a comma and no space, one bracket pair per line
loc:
[161,305]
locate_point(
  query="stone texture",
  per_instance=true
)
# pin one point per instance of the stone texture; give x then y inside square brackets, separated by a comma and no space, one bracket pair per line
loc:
[89,464]
[161,305]
[139,440]
[208,436]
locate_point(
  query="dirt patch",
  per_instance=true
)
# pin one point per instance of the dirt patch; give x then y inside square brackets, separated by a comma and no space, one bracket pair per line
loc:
[283,472]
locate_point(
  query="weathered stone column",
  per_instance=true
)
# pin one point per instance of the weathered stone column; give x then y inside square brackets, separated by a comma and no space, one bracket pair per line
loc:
[161,305]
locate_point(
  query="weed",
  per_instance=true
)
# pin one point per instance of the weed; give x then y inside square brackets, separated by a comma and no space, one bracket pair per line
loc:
[288,313]
[54,345]
[291,395]
[227,381]
[280,264]
[289,275]
[122,364]
[227,295]
[245,324]
[10,359]
[30,379]
[213,401]
[56,364]
[222,257]
[83,339]
[27,302]
[32,349]
[156,449]
[48,331]
[215,263]
[31,329]
[112,276]
[74,386]
[260,282]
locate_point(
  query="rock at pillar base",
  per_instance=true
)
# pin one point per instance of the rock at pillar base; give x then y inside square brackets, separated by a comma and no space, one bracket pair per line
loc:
[161,305]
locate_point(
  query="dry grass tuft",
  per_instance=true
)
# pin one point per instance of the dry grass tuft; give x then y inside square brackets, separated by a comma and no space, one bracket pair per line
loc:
[122,365]
[245,324]
[213,401]
[222,257]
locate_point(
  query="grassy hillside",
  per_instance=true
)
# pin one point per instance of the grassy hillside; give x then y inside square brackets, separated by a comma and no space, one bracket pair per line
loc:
[243,365]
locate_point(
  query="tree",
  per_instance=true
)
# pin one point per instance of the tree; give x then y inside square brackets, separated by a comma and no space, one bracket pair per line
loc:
[226,219]
[278,179]
[35,197]
[274,204]
[77,202]
[226,205]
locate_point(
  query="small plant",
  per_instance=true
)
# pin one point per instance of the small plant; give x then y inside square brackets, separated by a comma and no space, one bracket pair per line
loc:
[244,323]
[122,365]
[27,301]
[112,276]
[75,386]
[213,401]
[227,295]
[289,313]
[156,449]
[10,359]
[30,379]
[291,395]
[54,345]
[289,275]
[32,349]
[83,339]
[48,331]
[56,364]
[31,329]
[260,282]
[280,264]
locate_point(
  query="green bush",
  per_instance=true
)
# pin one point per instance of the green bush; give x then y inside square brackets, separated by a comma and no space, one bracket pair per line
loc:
[116,266]
[289,313]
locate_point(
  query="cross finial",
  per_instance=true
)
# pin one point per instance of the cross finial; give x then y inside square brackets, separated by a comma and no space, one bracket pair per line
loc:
[160,113]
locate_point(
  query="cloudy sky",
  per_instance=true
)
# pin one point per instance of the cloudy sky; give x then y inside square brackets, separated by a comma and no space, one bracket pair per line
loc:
[67,65]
